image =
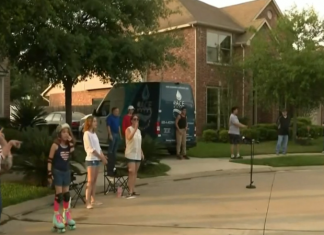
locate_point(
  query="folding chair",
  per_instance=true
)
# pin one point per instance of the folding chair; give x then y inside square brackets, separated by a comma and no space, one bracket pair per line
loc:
[77,187]
[120,179]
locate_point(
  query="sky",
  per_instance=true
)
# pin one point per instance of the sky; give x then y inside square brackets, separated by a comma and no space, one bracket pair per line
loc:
[283,4]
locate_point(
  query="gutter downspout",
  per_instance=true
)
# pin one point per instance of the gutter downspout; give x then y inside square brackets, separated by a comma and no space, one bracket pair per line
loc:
[243,81]
[195,66]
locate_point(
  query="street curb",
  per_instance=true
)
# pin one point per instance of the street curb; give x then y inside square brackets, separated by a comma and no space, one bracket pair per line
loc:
[18,210]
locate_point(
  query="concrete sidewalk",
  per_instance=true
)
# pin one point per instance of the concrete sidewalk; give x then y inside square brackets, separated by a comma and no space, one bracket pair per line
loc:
[284,203]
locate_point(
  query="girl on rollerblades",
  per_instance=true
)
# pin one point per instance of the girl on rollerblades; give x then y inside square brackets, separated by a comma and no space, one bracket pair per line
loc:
[93,159]
[59,173]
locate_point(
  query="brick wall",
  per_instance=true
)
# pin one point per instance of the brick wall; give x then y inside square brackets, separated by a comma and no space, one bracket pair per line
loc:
[78,98]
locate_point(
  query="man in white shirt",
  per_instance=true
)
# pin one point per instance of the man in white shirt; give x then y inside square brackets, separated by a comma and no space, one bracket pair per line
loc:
[234,133]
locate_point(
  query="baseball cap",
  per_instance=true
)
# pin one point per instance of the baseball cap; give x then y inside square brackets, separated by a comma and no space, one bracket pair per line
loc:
[62,126]
[131,107]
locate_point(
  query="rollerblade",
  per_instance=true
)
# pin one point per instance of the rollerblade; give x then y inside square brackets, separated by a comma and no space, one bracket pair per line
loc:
[68,220]
[58,225]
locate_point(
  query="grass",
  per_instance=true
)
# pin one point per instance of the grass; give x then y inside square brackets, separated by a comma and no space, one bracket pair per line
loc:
[222,150]
[302,160]
[14,193]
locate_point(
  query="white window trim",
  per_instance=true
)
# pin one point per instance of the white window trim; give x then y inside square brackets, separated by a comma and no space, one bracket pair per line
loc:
[222,33]
[218,109]
[2,97]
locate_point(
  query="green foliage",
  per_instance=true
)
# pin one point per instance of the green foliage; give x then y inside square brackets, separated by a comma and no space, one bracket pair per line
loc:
[304,121]
[250,133]
[108,38]
[263,133]
[210,135]
[244,120]
[26,114]
[267,126]
[272,134]
[210,126]
[4,122]
[223,136]
[152,150]
[14,193]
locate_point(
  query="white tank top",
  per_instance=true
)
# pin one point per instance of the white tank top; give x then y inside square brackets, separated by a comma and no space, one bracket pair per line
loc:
[134,146]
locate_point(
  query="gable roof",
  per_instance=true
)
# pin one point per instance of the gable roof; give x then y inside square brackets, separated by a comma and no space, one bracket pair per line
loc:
[256,25]
[246,12]
[197,12]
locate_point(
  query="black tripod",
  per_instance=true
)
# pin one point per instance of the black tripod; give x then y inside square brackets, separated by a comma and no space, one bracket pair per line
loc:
[251,186]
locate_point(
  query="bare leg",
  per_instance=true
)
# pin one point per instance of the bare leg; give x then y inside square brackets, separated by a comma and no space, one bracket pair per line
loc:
[93,192]
[91,171]
[136,170]
[131,175]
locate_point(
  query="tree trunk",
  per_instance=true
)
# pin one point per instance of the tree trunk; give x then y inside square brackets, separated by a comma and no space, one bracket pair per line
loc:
[68,100]
[294,116]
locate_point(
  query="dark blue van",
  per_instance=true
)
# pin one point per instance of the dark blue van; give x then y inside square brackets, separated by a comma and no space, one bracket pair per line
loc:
[157,104]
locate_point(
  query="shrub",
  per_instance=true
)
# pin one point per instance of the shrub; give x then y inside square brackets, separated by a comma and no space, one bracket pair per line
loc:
[4,122]
[26,114]
[263,133]
[244,120]
[210,135]
[271,126]
[12,134]
[250,133]
[152,150]
[223,136]
[272,134]
[210,126]
[304,121]
[316,131]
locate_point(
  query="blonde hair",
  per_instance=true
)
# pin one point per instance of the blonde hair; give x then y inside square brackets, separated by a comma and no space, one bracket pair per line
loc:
[88,123]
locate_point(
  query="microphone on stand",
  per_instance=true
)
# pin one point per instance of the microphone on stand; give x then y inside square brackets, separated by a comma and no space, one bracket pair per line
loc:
[250,141]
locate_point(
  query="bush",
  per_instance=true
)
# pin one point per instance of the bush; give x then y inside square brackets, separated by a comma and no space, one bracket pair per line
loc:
[304,121]
[13,193]
[4,122]
[244,120]
[210,135]
[223,136]
[210,126]
[271,126]
[263,133]
[26,114]
[12,134]
[272,134]
[152,150]
[250,133]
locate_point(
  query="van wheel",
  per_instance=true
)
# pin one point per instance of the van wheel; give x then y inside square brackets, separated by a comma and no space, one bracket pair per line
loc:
[172,151]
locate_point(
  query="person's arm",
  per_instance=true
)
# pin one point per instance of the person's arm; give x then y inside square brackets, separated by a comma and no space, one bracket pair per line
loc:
[130,134]
[120,133]
[237,123]
[124,124]
[88,147]
[176,122]
[50,160]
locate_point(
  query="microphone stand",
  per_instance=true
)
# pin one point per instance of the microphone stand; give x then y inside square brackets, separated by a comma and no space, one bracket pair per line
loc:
[251,186]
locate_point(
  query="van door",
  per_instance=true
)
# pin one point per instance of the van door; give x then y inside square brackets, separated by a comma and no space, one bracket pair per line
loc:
[174,96]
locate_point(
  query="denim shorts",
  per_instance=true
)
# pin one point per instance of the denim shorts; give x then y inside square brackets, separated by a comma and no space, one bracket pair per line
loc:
[61,178]
[134,161]
[94,163]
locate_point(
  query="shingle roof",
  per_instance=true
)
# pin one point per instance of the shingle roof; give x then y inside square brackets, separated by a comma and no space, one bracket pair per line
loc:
[197,12]
[245,13]
[254,25]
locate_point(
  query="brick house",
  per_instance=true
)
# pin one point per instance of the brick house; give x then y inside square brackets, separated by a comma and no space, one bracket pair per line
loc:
[4,91]
[212,37]
[84,93]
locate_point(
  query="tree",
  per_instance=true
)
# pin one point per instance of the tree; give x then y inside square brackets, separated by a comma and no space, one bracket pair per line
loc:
[287,63]
[66,41]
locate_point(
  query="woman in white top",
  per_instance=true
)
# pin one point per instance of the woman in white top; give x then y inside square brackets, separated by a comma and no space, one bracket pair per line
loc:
[93,159]
[133,153]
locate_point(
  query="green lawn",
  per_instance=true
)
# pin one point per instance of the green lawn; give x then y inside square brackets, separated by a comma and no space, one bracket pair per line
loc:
[221,150]
[302,160]
[14,193]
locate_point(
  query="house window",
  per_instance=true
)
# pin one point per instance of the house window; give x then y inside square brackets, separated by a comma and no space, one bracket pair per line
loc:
[1,96]
[219,47]
[216,113]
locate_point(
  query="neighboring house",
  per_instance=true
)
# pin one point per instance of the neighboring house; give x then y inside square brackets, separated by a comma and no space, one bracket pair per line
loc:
[212,36]
[4,91]
[89,92]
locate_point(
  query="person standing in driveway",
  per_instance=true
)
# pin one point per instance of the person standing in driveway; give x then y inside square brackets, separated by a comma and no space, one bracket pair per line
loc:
[114,137]
[283,124]
[234,133]
[181,134]
[127,119]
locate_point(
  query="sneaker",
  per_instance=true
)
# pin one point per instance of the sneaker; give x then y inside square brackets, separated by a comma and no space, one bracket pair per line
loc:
[186,157]
[232,156]
[135,194]
[238,156]
[130,196]
[89,206]
[179,157]
[96,203]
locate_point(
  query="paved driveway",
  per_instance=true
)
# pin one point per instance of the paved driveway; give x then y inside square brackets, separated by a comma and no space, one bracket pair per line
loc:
[284,203]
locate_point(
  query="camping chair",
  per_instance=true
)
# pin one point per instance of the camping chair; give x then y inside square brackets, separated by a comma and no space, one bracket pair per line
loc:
[77,186]
[119,179]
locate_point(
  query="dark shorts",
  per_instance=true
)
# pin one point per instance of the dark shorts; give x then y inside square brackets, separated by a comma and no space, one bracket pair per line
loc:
[234,139]
[134,161]
[61,178]
[95,163]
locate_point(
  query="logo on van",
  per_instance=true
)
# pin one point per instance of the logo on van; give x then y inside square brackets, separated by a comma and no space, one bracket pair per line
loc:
[177,104]
[144,109]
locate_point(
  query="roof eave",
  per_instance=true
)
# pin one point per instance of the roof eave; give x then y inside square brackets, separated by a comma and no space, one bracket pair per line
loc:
[234,30]
[276,5]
